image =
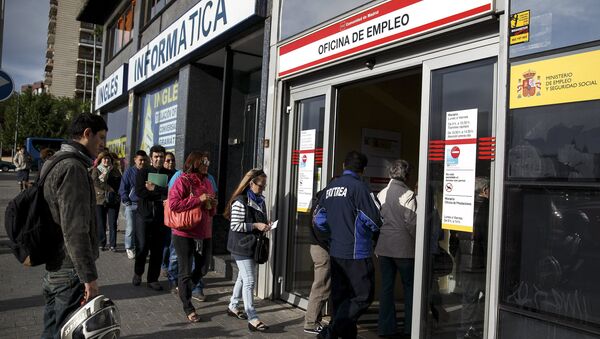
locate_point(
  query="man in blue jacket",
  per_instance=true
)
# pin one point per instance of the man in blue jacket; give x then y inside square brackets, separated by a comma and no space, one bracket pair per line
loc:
[130,199]
[349,212]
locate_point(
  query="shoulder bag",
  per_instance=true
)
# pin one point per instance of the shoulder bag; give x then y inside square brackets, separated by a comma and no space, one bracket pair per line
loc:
[182,220]
[261,253]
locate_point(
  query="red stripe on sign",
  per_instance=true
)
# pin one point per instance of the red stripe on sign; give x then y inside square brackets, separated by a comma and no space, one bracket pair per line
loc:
[487,138]
[490,144]
[485,148]
[437,146]
[354,20]
[461,141]
[486,158]
[487,153]
[435,159]
[431,25]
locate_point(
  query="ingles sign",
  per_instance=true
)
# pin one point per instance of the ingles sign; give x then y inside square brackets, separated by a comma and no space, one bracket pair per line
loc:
[112,87]
[386,23]
[201,24]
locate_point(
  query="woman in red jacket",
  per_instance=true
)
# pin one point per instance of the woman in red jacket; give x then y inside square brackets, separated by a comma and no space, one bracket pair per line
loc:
[192,190]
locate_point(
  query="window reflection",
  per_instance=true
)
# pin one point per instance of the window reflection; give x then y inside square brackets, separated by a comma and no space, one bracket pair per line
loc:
[555,142]
[557,23]
[299,15]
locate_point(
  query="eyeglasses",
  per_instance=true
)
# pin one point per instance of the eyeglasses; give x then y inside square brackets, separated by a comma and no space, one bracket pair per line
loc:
[205,162]
[170,160]
[260,186]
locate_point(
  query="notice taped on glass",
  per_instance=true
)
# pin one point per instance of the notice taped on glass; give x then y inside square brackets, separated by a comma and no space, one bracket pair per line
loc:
[306,169]
[460,157]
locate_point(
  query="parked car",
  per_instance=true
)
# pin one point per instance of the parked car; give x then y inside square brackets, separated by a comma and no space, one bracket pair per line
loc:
[5,166]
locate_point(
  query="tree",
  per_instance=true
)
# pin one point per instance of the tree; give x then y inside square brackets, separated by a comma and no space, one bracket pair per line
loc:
[40,115]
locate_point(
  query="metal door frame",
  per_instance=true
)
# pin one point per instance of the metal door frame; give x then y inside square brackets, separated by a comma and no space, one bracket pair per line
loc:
[469,53]
[296,95]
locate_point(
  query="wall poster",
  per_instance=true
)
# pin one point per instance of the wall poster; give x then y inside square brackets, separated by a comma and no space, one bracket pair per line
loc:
[158,118]
[459,170]
[306,169]
[381,148]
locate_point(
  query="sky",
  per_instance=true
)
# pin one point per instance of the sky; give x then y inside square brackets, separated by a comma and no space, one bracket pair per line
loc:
[24,41]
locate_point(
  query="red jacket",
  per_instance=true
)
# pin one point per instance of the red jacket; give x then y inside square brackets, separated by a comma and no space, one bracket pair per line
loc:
[180,200]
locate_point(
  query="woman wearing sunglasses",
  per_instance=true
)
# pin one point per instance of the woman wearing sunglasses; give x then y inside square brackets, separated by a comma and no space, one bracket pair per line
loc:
[192,190]
[247,213]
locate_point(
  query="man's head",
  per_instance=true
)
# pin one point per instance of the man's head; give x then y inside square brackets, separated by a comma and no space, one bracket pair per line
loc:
[355,162]
[140,159]
[90,131]
[482,187]
[400,170]
[157,156]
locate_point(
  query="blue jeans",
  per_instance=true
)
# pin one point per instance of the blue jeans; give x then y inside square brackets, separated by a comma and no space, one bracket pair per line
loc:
[174,270]
[130,228]
[387,305]
[244,288]
[62,293]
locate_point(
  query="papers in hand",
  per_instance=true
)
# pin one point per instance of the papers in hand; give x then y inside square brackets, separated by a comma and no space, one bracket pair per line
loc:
[158,179]
[274,224]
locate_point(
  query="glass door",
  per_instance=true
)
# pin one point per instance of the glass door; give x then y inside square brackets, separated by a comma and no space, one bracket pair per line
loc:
[457,152]
[307,145]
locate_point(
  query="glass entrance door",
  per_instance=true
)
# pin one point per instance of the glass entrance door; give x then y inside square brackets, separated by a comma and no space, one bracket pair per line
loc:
[459,103]
[306,147]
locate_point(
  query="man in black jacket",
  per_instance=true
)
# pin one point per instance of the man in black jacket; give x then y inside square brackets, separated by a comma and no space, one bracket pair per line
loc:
[150,230]
[69,192]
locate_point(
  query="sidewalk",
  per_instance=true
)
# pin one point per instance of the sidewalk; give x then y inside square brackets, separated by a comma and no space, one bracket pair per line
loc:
[144,312]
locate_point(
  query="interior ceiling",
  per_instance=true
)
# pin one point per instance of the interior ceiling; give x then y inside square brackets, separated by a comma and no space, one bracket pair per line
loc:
[249,57]
[400,94]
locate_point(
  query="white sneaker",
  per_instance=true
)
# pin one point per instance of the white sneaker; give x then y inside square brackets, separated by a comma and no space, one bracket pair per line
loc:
[130,254]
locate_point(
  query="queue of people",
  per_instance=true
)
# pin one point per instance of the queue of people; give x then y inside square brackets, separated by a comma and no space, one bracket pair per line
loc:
[350,225]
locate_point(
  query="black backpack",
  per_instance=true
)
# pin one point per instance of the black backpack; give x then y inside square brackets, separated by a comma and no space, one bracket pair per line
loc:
[33,235]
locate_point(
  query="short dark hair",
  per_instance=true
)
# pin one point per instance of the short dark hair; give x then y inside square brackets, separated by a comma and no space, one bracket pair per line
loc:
[141,153]
[157,149]
[355,161]
[399,170]
[87,120]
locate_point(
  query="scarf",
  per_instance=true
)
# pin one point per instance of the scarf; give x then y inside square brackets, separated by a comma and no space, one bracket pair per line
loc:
[258,199]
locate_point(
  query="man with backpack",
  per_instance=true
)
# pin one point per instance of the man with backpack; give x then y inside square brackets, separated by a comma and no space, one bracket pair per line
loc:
[71,277]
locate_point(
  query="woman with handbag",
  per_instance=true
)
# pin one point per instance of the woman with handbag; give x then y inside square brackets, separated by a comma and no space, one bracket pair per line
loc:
[106,180]
[191,193]
[247,213]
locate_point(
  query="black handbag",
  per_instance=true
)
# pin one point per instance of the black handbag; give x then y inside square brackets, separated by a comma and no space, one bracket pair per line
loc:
[442,263]
[261,253]
[111,198]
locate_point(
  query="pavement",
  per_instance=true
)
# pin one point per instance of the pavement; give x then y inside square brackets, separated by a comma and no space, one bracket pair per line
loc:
[144,312]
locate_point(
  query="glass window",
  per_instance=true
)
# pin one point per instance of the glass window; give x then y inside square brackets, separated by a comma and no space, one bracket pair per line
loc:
[153,7]
[551,237]
[120,31]
[299,15]
[557,23]
[306,177]
[560,142]
[454,288]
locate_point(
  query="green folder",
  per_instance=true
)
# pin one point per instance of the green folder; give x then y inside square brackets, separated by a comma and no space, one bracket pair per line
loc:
[158,179]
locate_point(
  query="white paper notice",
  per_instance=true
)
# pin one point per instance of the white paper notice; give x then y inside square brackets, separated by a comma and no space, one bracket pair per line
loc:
[460,157]
[306,169]
[274,224]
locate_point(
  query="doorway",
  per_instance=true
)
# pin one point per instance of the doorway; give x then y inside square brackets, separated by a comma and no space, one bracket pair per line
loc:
[381,118]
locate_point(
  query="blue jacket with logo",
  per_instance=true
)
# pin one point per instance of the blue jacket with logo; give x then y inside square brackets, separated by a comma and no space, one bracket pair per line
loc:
[349,212]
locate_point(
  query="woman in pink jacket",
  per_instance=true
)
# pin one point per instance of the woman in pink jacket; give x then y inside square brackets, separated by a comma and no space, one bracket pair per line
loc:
[192,190]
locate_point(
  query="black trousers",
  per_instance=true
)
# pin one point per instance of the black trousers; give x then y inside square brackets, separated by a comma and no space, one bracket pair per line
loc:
[187,254]
[352,290]
[149,237]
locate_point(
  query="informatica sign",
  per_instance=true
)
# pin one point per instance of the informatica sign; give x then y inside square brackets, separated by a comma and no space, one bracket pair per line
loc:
[201,24]
[386,23]
[112,87]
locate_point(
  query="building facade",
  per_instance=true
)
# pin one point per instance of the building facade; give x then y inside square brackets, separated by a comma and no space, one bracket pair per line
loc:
[467,91]
[70,59]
